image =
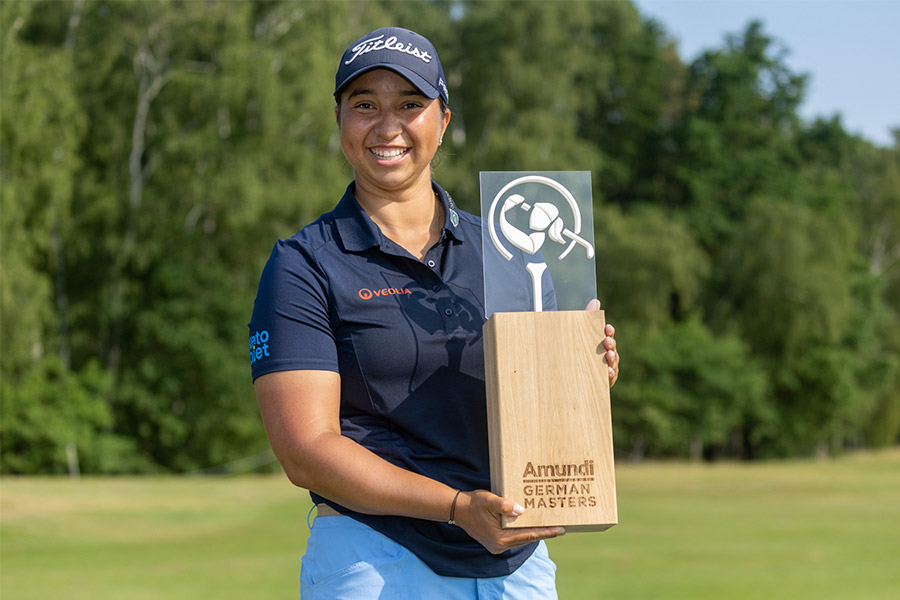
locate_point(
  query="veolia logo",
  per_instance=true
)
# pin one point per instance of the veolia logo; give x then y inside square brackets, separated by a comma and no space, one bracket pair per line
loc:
[367,294]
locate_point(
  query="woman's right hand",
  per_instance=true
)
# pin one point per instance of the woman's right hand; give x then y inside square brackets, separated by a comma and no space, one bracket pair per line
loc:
[478,513]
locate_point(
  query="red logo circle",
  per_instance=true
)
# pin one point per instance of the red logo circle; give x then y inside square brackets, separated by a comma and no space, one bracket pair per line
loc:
[365,293]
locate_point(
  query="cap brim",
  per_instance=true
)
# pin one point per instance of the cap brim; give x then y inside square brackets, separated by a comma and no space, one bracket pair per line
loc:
[428,90]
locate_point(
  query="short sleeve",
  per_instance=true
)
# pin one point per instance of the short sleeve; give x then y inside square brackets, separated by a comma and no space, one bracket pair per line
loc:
[291,325]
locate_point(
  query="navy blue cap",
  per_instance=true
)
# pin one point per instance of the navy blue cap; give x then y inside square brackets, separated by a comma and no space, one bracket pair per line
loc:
[400,50]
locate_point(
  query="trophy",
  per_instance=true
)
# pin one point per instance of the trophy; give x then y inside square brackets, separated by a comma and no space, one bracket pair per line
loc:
[549,421]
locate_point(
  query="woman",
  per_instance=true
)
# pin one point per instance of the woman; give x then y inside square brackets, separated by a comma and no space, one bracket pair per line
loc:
[368,362]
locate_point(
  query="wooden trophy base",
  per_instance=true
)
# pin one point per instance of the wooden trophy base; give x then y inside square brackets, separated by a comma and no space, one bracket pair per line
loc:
[549,422]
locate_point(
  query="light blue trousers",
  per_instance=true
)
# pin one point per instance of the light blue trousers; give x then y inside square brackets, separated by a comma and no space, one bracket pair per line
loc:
[346,560]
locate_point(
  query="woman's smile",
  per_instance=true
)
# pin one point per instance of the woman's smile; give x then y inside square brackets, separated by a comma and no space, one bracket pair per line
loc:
[390,132]
[389,154]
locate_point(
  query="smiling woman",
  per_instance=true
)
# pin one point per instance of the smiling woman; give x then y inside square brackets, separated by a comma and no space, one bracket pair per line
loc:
[370,379]
[390,131]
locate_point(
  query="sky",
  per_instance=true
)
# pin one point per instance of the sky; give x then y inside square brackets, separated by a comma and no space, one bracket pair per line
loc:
[849,48]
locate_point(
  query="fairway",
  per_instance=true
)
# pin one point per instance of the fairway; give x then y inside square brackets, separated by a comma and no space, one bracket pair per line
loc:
[816,530]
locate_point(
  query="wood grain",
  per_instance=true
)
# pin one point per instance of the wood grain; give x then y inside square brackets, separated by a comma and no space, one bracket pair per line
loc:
[549,421]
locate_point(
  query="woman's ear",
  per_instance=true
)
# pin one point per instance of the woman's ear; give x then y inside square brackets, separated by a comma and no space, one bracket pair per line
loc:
[445,124]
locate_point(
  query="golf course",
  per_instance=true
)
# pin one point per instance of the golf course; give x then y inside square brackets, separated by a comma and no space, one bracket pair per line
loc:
[827,529]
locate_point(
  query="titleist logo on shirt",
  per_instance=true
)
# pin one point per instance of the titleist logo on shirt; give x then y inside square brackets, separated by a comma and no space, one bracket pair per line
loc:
[379,43]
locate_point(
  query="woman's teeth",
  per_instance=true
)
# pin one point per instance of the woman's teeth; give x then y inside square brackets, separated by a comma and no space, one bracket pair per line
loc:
[389,154]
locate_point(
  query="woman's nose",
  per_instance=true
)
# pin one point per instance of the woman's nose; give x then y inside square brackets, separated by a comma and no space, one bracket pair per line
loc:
[388,125]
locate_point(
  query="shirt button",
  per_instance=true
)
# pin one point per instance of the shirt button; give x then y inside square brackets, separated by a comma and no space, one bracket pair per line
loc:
[448,311]
[430,263]
[435,288]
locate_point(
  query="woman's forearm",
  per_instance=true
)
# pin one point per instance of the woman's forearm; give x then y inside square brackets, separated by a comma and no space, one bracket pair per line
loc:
[339,469]
[300,411]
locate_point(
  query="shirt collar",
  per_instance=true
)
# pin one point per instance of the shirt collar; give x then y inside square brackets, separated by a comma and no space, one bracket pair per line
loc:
[454,231]
[359,232]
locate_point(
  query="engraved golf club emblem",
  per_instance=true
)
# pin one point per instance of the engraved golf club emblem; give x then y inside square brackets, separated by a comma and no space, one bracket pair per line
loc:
[544,222]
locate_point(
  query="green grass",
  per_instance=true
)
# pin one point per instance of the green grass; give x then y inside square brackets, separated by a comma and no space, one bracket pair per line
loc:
[793,530]
[816,530]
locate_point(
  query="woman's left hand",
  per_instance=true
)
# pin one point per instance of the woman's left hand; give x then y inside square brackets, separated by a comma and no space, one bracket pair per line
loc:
[609,343]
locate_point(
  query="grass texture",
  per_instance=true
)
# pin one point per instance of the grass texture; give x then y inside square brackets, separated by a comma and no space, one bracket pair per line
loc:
[801,529]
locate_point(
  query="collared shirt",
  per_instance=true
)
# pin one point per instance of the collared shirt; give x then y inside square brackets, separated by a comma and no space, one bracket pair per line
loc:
[405,336]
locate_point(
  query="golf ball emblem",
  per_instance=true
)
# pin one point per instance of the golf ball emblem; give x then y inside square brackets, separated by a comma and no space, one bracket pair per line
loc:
[544,223]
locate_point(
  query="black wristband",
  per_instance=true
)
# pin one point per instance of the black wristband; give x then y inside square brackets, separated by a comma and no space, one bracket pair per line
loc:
[452,521]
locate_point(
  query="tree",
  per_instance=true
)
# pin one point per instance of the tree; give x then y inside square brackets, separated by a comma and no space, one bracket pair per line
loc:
[782,285]
[227,150]
[650,269]
[874,174]
[735,139]
[688,393]
[518,90]
[54,419]
[41,124]
[152,152]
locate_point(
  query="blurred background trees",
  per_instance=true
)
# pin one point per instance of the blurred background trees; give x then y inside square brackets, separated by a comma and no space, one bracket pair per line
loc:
[152,152]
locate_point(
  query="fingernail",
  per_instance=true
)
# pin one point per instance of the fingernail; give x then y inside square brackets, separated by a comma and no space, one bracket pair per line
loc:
[560,531]
[518,509]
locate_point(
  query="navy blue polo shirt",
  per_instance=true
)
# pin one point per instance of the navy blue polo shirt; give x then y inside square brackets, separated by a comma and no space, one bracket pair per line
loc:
[405,336]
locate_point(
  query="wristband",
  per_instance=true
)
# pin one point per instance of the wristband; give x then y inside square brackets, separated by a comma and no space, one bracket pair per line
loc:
[452,521]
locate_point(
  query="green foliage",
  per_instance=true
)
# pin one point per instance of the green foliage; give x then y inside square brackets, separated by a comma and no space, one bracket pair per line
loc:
[651,270]
[520,90]
[735,136]
[687,392]
[152,152]
[782,285]
[786,270]
[51,409]
[41,125]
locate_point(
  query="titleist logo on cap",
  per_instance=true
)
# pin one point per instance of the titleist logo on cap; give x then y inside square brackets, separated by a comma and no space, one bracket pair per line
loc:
[379,43]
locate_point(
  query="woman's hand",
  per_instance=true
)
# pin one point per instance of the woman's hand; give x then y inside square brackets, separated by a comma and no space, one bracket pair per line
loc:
[479,512]
[609,343]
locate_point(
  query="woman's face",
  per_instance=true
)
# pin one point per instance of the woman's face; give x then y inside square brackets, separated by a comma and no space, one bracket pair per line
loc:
[389,131]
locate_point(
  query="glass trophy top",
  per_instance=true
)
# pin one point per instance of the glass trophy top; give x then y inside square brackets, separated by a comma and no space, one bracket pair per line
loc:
[538,239]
